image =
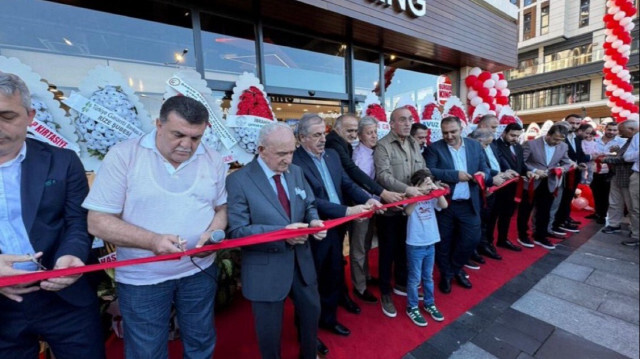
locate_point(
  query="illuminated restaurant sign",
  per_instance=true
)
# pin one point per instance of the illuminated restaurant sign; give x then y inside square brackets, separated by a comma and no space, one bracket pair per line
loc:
[414,7]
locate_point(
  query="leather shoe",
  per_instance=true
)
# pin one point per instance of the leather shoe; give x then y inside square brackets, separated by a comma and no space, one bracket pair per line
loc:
[445,285]
[463,281]
[337,329]
[365,296]
[477,258]
[322,349]
[373,281]
[488,250]
[510,246]
[348,304]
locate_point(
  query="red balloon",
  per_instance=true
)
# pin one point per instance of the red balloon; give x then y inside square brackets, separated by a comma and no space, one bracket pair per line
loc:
[492,106]
[635,109]
[483,92]
[608,18]
[502,100]
[632,11]
[478,85]
[501,76]
[587,194]
[470,80]
[608,93]
[484,76]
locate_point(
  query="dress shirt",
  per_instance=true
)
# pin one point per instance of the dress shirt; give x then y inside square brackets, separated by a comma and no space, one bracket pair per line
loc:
[269,173]
[321,165]
[549,151]
[461,190]
[363,158]
[493,161]
[13,234]
[606,148]
[631,154]
[571,137]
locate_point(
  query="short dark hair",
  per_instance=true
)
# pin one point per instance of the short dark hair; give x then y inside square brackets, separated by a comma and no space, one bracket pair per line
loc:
[451,119]
[584,127]
[419,176]
[612,123]
[513,127]
[191,110]
[558,128]
[417,126]
[573,115]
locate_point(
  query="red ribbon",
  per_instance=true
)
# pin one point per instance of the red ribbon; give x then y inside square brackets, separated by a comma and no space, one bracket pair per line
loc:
[504,184]
[479,178]
[518,196]
[598,162]
[558,173]
[239,242]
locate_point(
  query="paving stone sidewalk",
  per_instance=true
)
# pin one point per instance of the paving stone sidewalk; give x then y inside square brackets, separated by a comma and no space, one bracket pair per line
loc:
[579,301]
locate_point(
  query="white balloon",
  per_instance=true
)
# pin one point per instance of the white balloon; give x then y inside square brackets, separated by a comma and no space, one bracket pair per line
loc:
[616,69]
[611,87]
[472,94]
[623,48]
[502,84]
[608,32]
[611,38]
[626,20]
[475,71]
[616,109]
[619,15]
[630,26]
[498,108]
[618,92]
[609,3]
[626,54]
[606,82]
[489,83]
[611,104]
[495,77]
[483,106]
[634,116]
[476,101]
[609,64]
[616,44]
[623,73]
[625,113]
[627,78]
[493,92]
[613,10]
[491,112]
[505,92]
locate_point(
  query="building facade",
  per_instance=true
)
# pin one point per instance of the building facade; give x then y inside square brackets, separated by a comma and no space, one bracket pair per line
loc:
[560,60]
[311,55]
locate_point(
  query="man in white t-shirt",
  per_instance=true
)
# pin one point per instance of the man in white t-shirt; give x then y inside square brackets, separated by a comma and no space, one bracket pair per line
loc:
[160,194]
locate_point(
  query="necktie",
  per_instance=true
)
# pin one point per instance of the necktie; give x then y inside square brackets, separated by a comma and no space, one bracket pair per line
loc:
[282,195]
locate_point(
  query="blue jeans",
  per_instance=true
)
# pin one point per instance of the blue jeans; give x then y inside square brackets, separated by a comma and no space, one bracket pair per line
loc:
[146,310]
[420,266]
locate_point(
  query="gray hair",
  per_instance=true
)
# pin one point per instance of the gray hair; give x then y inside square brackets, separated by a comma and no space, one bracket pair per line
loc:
[481,134]
[270,128]
[338,124]
[485,119]
[10,83]
[629,124]
[366,121]
[306,121]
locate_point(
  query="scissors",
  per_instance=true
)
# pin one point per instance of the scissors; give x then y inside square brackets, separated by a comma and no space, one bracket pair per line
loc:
[36,261]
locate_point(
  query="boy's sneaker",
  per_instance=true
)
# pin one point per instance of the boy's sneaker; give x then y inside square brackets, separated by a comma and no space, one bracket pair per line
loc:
[525,242]
[611,229]
[472,265]
[387,306]
[568,227]
[416,317]
[545,243]
[434,312]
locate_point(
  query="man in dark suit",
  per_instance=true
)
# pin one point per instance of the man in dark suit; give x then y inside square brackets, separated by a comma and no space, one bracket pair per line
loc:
[42,191]
[266,195]
[455,160]
[562,221]
[331,187]
[543,156]
[513,160]
[419,133]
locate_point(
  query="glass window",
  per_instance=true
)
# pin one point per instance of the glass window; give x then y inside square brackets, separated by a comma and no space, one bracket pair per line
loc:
[514,2]
[544,20]
[63,43]
[584,13]
[635,81]
[526,26]
[528,2]
[228,48]
[366,71]
[305,63]
[410,80]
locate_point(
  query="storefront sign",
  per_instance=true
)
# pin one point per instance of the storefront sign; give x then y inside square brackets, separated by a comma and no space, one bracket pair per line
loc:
[40,131]
[445,90]
[416,7]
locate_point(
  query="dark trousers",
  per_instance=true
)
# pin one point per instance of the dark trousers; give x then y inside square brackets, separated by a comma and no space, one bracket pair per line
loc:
[328,259]
[542,201]
[392,256]
[486,215]
[71,332]
[600,188]
[564,210]
[268,320]
[503,211]
[459,227]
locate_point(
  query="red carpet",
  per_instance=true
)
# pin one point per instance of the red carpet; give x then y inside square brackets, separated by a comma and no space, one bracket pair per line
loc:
[373,335]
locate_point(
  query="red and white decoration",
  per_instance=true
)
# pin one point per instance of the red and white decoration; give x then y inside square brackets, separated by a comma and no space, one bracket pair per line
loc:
[408,103]
[487,91]
[454,107]
[431,117]
[388,77]
[372,107]
[617,47]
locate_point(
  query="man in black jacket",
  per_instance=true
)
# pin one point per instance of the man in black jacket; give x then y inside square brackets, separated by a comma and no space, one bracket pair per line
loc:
[562,220]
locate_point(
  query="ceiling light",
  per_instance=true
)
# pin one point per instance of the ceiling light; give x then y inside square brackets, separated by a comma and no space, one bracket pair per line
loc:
[393,57]
[278,108]
[305,110]
[289,104]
